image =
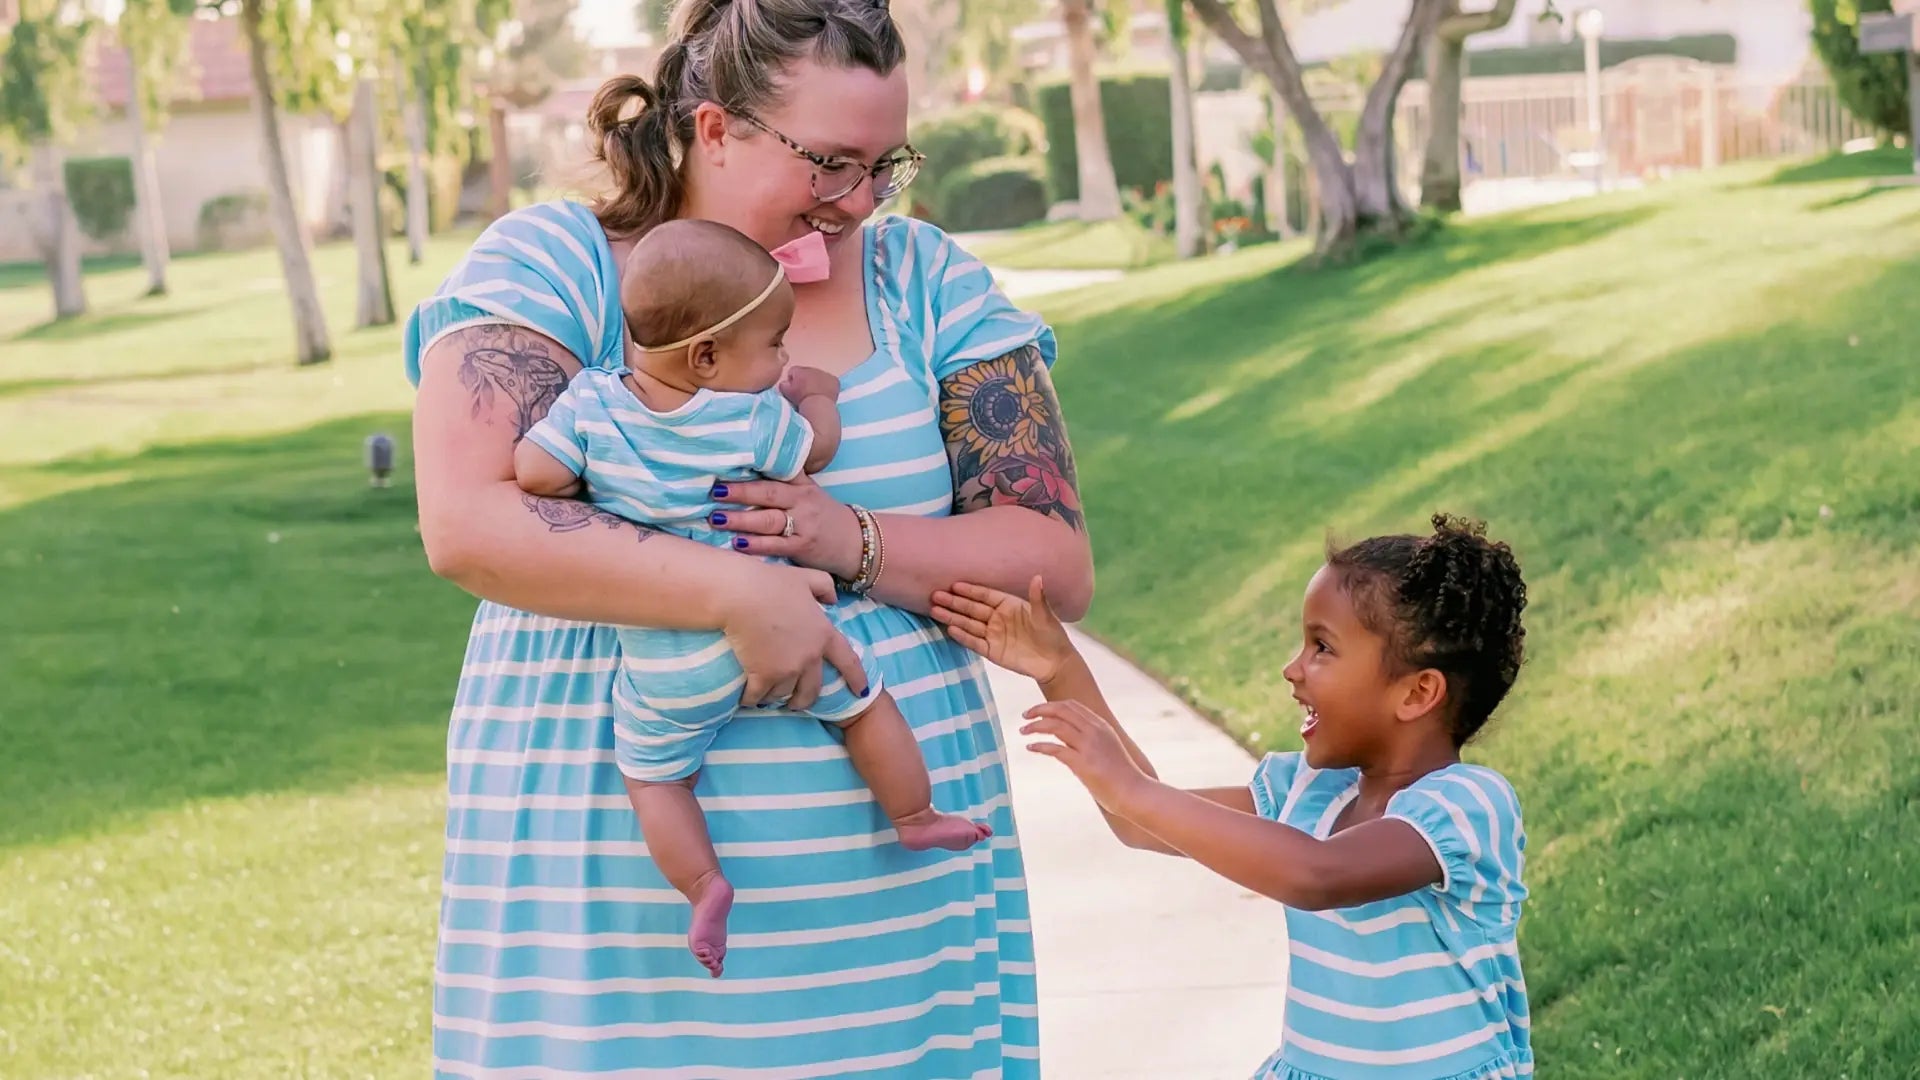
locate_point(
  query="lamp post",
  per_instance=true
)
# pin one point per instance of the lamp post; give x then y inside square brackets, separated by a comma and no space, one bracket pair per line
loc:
[1590,24]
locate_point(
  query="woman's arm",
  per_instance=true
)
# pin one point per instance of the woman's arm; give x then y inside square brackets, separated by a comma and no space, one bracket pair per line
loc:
[1016,504]
[1016,497]
[481,389]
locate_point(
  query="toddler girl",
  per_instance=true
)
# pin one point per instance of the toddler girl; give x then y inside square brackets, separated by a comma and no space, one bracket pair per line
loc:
[1399,865]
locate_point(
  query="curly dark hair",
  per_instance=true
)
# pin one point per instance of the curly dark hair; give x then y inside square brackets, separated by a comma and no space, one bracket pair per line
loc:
[1450,601]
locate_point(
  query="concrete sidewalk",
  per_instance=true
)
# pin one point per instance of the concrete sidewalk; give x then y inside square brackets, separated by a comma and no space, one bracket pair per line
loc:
[1149,966]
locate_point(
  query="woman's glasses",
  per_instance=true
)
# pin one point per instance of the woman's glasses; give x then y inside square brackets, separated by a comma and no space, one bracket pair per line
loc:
[835,178]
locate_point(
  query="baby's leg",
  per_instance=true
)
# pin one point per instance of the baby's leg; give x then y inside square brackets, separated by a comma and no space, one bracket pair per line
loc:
[676,833]
[888,758]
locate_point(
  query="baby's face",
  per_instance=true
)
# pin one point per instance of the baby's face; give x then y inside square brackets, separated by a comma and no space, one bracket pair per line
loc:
[751,357]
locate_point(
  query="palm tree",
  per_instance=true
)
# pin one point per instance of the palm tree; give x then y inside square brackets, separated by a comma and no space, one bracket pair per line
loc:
[1099,191]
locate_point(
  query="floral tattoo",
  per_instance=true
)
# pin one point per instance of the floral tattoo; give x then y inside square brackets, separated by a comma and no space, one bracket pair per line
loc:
[568,515]
[507,362]
[1007,440]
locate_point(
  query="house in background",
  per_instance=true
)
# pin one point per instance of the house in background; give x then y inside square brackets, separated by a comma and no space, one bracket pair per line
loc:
[209,149]
[1772,39]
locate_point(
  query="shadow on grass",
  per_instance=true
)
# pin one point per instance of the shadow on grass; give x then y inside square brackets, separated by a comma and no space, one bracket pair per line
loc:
[239,617]
[1718,919]
[24,275]
[92,325]
[1885,161]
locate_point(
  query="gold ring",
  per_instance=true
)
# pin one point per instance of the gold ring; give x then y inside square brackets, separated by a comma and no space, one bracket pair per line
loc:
[788,530]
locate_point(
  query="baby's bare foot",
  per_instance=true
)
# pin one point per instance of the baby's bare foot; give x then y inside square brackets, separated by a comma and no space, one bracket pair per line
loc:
[931,829]
[707,937]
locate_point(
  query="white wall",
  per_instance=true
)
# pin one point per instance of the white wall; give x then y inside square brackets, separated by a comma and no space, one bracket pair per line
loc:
[203,153]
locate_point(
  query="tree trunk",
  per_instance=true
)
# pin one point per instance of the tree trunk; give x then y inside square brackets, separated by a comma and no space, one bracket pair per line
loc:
[375,306]
[1189,209]
[296,265]
[1099,191]
[1440,171]
[500,169]
[417,224]
[1271,55]
[149,220]
[63,233]
[1279,208]
[1446,75]
[1375,180]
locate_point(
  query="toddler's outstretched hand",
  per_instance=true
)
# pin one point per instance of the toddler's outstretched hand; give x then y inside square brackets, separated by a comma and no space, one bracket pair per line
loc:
[1023,636]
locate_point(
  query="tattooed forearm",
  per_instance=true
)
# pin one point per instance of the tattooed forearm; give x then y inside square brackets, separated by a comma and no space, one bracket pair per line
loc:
[505,361]
[568,515]
[1007,440]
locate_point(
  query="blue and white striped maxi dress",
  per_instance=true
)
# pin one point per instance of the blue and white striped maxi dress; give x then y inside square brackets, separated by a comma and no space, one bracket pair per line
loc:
[562,950]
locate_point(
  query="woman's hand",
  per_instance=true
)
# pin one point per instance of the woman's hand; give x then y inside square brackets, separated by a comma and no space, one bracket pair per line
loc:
[1089,746]
[780,633]
[825,536]
[1023,636]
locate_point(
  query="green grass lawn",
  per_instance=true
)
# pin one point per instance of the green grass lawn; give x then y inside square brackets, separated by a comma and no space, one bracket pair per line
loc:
[1695,411]
[1075,245]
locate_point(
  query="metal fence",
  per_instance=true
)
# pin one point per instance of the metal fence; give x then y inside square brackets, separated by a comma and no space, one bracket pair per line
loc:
[1658,115]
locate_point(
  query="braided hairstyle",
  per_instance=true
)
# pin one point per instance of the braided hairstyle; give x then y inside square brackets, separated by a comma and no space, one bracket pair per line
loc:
[730,52]
[1450,601]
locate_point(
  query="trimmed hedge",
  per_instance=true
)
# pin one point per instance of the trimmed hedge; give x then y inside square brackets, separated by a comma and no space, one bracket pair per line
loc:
[959,138]
[1138,110]
[101,191]
[995,193]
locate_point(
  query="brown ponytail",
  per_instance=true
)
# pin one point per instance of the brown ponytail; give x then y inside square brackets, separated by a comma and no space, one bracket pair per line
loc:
[730,52]
[638,154]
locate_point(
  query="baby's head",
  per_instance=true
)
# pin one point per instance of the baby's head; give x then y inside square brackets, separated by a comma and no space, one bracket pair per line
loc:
[1403,630]
[684,278]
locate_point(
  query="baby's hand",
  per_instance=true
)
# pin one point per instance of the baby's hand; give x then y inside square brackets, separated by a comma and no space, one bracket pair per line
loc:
[800,383]
[1020,635]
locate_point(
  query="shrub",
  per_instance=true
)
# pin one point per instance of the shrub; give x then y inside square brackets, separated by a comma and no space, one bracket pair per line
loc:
[961,137]
[101,191]
[1873,87]
[235,221]
[996,193]
[1139,115]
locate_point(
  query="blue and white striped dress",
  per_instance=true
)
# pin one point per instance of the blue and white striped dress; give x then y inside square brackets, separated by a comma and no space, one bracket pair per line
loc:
[562,949]
[676,687]
[1425,986]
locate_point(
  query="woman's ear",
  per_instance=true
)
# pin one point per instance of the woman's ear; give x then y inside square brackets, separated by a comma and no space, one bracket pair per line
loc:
[1421,693]
[710,134]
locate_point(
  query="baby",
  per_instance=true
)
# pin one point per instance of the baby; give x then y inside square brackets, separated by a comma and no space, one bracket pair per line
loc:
[709,399]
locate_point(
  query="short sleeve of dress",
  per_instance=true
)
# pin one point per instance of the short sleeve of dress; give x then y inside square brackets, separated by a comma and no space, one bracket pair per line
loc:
[545,268]
[782,438]
[1470,817]
[963,315]
[1271,782]
[558,432]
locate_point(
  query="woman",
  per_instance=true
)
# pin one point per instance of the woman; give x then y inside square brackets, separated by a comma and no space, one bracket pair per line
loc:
[562,949]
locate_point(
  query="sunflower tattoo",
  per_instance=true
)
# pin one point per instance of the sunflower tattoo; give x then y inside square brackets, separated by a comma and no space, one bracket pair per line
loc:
[1007,440]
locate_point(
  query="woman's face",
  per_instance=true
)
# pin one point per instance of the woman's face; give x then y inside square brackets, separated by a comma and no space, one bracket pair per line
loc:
[749,178]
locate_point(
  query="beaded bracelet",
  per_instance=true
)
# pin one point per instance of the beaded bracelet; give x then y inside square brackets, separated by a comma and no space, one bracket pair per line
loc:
[873,552]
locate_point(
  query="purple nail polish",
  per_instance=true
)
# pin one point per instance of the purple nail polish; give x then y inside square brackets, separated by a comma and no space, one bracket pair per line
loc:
[719,491]
[740,543]
[719,518]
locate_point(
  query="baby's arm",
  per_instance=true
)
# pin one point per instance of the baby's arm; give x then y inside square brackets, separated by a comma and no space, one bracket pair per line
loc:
[815,395]
[540,473]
